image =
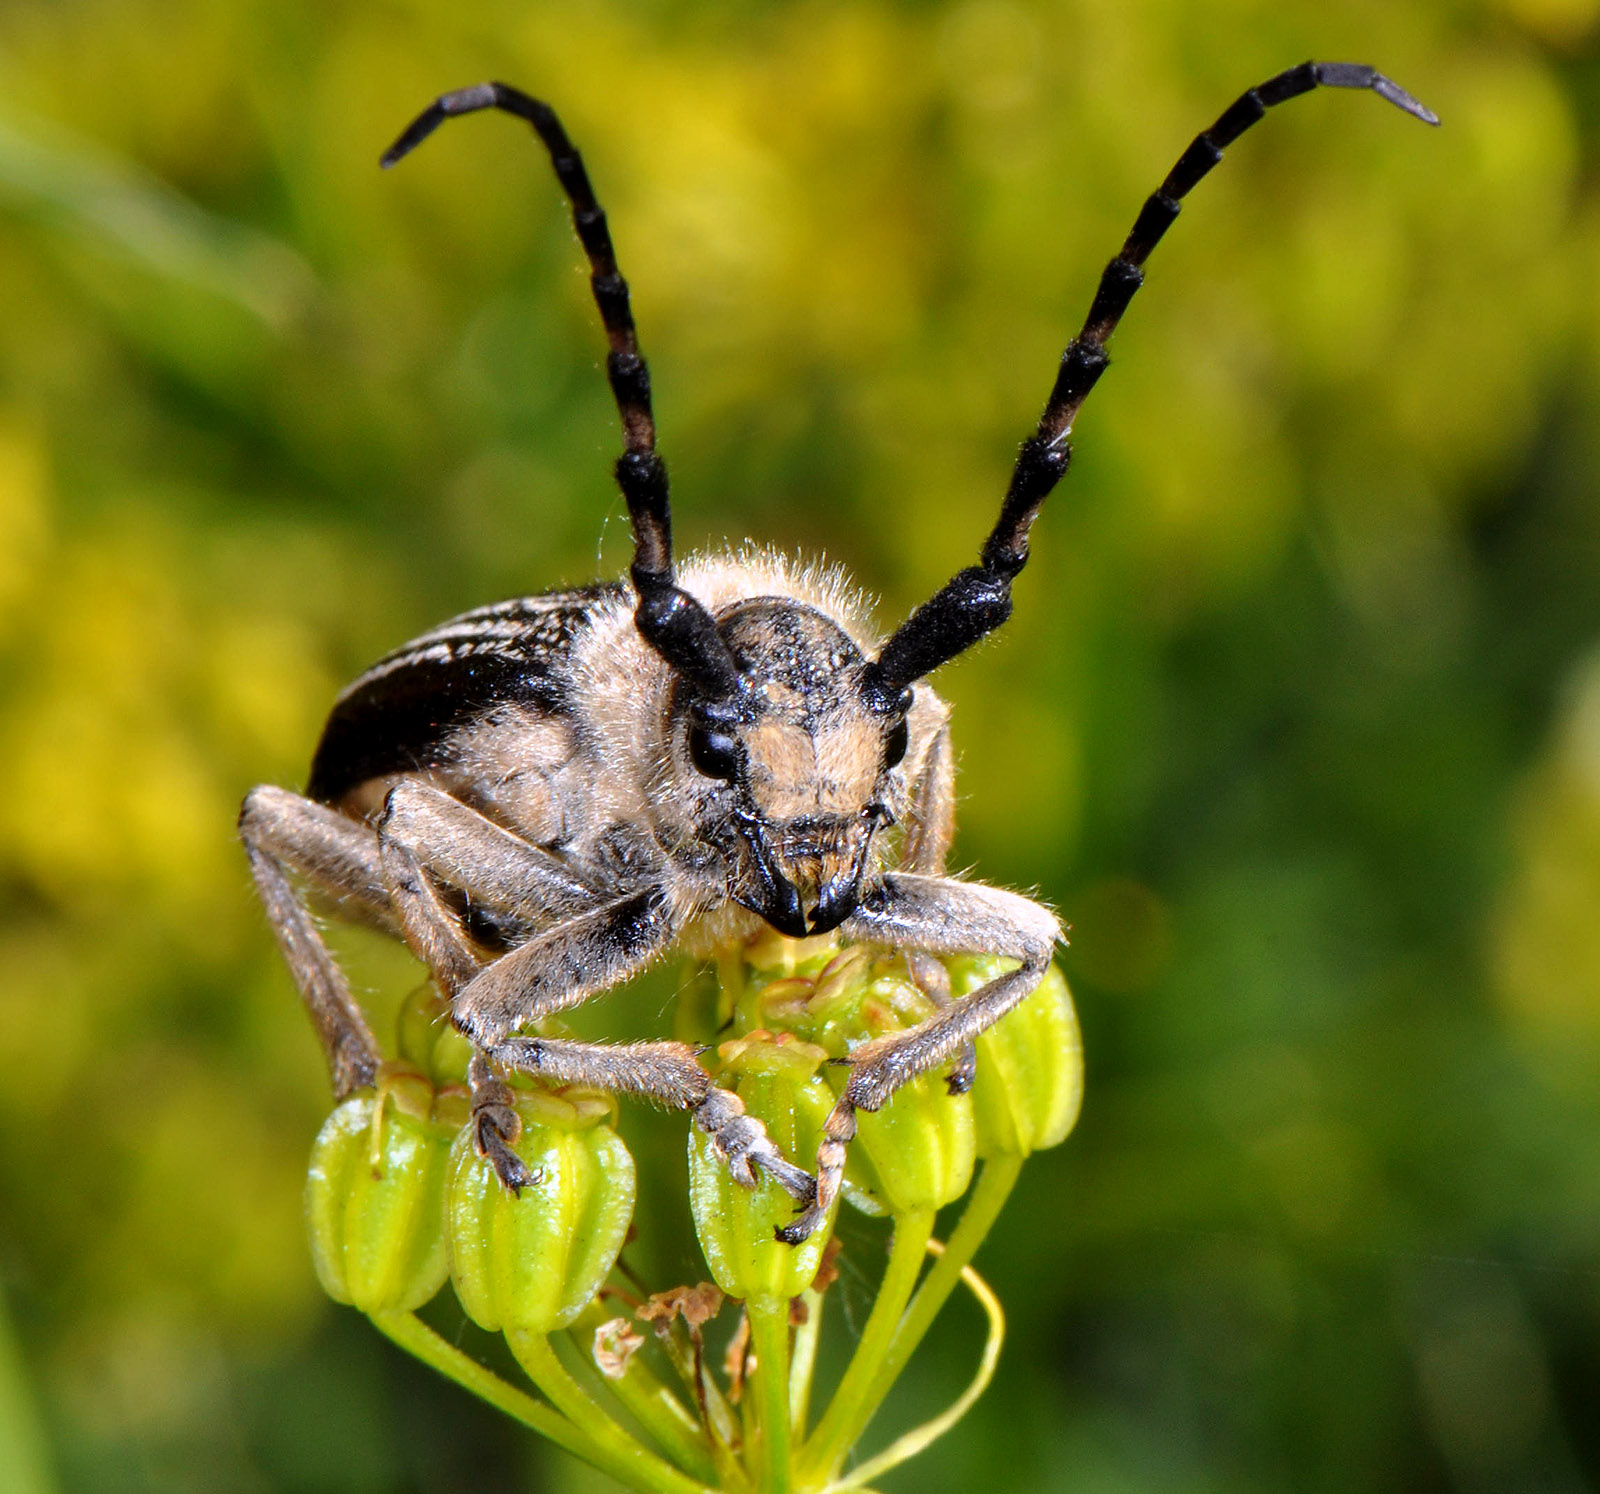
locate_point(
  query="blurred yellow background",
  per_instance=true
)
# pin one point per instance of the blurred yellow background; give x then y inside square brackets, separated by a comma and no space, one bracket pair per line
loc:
[1298,719]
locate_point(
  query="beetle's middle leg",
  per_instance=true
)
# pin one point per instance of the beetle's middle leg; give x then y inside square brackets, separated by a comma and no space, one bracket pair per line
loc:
[595,942]
[424,831]
[941,915]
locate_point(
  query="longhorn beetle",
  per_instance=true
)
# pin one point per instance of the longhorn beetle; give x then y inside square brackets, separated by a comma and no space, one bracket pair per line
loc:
[543,796]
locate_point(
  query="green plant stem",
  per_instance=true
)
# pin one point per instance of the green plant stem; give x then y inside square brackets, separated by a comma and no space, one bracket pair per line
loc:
[618,1453]
[769,1335]
[731,1475]
[843,1421]
[913,1442]
[803,1363]
[717,1415]
[989,1195]
[664,1417]
[749,1426]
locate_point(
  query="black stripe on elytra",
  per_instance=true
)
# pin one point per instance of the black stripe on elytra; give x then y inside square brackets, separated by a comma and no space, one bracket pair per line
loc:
[396,716]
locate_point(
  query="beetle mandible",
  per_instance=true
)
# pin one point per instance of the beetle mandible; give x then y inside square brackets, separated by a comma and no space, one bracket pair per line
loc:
[543,796]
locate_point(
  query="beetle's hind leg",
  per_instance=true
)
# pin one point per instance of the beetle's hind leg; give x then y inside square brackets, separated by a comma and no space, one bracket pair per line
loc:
[338,857]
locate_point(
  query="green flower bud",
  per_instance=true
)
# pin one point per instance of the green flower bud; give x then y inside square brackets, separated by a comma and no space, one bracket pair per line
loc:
[375,1195]
[532,1263]
[427,1039]
[765,985]
[1030,1063]
[776,1078]
[918,1151]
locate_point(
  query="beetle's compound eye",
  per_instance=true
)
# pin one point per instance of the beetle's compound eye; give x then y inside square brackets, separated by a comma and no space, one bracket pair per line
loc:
[895,744]
[715,753]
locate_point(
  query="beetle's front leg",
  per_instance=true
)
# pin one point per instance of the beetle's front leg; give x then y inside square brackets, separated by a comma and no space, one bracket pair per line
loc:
[598,943]
[580,958]
[930,824]
[425,835]
[669,1074]
[942,916]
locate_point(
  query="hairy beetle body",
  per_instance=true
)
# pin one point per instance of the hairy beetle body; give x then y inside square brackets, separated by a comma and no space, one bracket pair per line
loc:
[551,718]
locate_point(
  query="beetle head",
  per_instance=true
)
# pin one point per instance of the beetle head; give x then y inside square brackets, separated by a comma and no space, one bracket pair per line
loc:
[790,777]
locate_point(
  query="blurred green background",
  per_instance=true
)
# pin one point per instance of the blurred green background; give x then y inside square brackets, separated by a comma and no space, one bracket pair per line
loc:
[1298,720]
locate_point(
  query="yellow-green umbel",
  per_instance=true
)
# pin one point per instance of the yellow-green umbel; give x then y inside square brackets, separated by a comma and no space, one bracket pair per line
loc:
[917,1152]
[375,1193]
[428,1039]
[776,1077]
[1030,1064]
[529,1263]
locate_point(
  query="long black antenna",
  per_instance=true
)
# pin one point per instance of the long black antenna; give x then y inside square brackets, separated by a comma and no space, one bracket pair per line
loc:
[670,620]
[977,600]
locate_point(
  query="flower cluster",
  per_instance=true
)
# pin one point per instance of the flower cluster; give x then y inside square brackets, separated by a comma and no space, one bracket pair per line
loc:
[398,1202]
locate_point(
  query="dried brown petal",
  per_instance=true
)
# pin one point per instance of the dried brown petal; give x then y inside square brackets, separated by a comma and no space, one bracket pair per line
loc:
[736,1359]
[828,1271]
[695,1305]
[702,1303]
[615,1343]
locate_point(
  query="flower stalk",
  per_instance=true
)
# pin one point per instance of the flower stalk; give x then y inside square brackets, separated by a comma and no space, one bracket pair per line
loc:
[769,1337]
[842,1423]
